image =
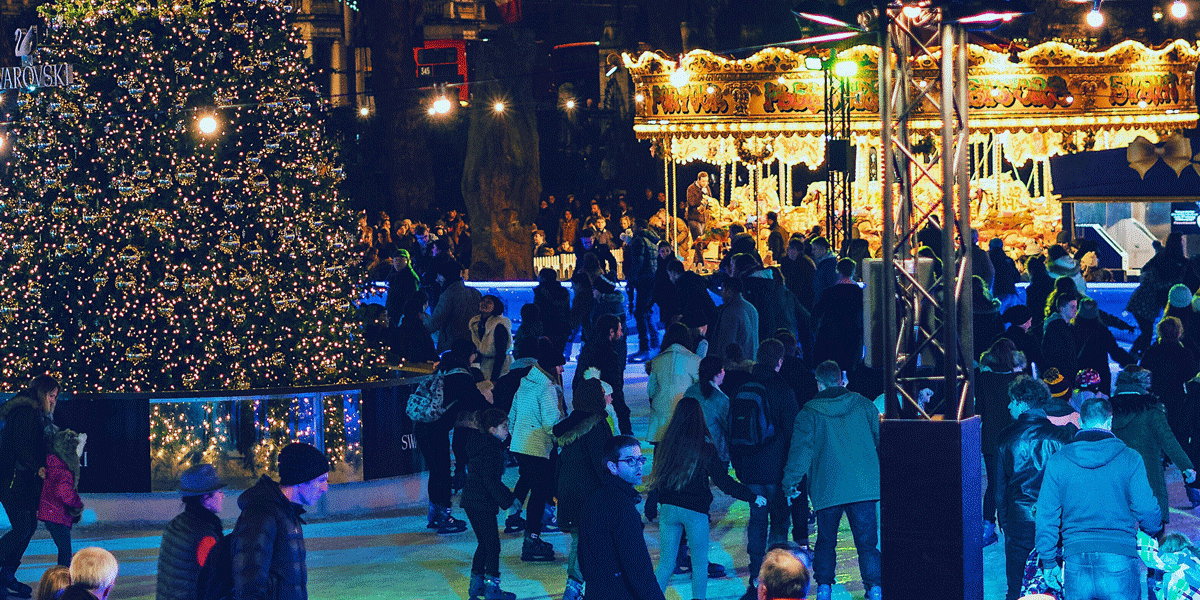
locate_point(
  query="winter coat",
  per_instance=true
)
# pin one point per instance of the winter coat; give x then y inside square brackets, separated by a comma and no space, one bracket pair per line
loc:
[991,404]
[1096,344]
[186,543]
[672,372]
[1025,342]
[1156,278]
[60,500]
[1004,281]
[483,490]
[1171,365]
[506,387]
[412,341]
[1021,456]
[1096,493]
[23,449]
[716,416]
[696,493]
[452,316]
[981,265]
[554,308]
[825,274]
[537,406]
[694,299]
[640,256]
[840,335]
[267,546]
[835,441]
[402,285]
[769,298]
[612,546]
[582,436]
[1060,347]
[764,464]
[737,323]
[798,277]
[1141,423]
[666,295]
[493,345]
[609,357]
[1066,266]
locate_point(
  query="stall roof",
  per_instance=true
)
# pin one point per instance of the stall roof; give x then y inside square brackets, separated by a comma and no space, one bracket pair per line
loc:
[1108,176]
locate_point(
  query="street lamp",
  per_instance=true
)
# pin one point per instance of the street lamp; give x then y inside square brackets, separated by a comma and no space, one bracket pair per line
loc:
[1095,18]
[208,124]
[1179,10]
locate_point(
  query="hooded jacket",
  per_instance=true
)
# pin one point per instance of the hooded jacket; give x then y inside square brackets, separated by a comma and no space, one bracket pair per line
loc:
[267,546]
[484,491]
[1066,266]
[1021,456]
[1141,423]
[1096,493]
[186,543]
[835,441]
[60,501]
[535,409]
[582,436]
[672,372]
[612,547]
[23,449]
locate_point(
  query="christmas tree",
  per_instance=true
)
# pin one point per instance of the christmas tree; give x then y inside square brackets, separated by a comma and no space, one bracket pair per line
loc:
[170,215]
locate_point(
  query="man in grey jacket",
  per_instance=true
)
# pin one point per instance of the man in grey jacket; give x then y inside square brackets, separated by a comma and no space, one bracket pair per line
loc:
[456,305]
[835,441]
[737,320]
[1095,495]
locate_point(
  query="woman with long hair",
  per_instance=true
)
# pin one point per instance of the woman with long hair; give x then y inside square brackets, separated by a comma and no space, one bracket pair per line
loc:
[29,425]
[713,402]
[492,333]
[684,462]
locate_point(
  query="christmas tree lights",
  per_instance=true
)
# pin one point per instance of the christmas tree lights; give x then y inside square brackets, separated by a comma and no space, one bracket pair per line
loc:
[170,219]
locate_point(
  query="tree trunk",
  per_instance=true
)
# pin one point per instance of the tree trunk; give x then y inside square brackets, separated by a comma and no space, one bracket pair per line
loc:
[501,174]
[405,160]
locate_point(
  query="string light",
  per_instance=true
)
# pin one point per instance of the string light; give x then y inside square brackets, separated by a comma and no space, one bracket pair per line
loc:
[498,107]
[208,125]
[1095,18]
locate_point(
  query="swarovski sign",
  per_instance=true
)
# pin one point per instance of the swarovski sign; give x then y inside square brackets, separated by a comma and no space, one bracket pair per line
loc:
[31,74]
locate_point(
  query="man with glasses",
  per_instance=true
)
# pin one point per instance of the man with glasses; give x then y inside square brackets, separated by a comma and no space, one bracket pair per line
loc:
[612,551]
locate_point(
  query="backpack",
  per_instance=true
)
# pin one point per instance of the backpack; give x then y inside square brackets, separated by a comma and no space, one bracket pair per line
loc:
[750,423]
[425,404]
[216,576]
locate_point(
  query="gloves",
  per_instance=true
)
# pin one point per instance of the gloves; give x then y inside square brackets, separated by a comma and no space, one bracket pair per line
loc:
[1189,475]
[516,505]
[759,501]
[1053,577]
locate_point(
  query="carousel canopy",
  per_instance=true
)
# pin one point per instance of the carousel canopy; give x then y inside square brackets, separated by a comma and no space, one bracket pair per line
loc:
[1054,99]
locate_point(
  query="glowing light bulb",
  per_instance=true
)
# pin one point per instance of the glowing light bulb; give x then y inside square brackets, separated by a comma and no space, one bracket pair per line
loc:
[639,98]
[441,106]
[680,78]
[845,68]
[364,111]
[498,107]
[912,11]
[208,125]
[1095,19]
[570,104]
[710,89]
[1179,10]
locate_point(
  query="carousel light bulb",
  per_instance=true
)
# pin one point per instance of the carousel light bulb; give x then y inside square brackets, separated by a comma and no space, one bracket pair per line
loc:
[639,97]
[208,125]
[912,11]
[710,89]
[1095,19]
[569,104]
[1179,10]
[680,78]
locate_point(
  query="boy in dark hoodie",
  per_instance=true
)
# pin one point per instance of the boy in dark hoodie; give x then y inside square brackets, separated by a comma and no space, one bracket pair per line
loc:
[1095,492]
[483,495]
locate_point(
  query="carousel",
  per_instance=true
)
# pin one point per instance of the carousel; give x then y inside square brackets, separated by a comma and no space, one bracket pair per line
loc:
[749,121]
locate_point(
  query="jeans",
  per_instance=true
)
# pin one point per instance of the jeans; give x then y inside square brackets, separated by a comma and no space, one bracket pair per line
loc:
[757,527]
[989,495]
[573,571]
[672,522]
[861,516]
[487,554]
[643,303]
[1018,543]
[622,409]
[434,441]
[540,474]
[14,543]
[799,513]
[1101,576]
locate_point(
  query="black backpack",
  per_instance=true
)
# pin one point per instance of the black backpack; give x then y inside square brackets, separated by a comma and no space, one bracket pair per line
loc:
[750,424]
[216,576]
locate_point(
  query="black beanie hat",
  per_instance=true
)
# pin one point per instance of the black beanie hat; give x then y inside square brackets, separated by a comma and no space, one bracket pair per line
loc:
[301,463]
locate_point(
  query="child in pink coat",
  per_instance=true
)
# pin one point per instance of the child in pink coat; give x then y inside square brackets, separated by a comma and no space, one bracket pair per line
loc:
[61,506]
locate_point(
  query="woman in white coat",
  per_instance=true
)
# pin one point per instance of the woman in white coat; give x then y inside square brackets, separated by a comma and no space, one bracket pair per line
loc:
[672,372]
[538,405]
[492,333]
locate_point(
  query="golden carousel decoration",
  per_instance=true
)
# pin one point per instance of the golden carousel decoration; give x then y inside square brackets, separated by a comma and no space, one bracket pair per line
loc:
[765,113]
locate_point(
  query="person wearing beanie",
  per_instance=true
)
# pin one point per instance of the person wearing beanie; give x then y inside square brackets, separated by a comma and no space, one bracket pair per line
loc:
[1097,344]
[191,535]
[536,408]
[1019,321]
[458,302]
[267,543]
[582,436]
[1058,408]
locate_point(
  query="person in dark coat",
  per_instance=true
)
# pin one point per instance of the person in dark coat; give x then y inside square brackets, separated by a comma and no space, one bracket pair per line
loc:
[455,306]
[760,467]
[986,316]
[666,297]
[1171,365]
[1141,422]
[554,307]
[410,341]
[839,311]
[825,261]
[484,494]
[606,352]
[996,372]
[1006,275]
[1060,347]
[798,272]
[1041,284]
[1097,344]
[692,291]
[1146,303]
[613,557]
[1020,321]
[28,427]
[765,290]
[1021,454]
[267,543]
[433,439]
[640,278]
[778,238]
[402,284]
[582,436]
[191,535]
[737,319]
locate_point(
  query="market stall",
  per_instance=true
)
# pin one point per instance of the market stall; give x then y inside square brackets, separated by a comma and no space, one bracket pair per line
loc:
[764,114]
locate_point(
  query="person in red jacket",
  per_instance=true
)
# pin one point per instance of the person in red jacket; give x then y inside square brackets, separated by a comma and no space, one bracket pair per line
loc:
[61,506]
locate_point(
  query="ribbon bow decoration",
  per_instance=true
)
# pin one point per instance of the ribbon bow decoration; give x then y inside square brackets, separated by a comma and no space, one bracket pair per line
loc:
[1176,151]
